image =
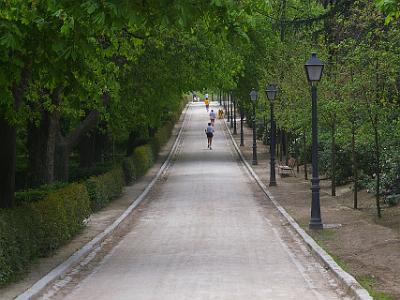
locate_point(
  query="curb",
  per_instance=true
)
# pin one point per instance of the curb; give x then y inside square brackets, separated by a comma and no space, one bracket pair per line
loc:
[348,282]
[63,268]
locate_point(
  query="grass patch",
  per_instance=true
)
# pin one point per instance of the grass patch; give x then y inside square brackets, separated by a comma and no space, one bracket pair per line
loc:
[369,283]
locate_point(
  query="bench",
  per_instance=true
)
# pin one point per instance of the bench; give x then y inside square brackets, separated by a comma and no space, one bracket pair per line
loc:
[282,168]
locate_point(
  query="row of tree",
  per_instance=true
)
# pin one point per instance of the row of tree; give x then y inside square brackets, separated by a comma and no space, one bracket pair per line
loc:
[359,116]
[79,76]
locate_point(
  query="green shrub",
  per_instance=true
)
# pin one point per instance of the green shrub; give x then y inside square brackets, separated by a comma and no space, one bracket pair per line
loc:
[142,159]
[35,229]
[128,168]
[36,194]
[61,215]
[161,138]
[104,188]
[78,173]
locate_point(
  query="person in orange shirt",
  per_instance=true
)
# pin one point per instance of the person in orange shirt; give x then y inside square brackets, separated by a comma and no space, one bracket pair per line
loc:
[207,103]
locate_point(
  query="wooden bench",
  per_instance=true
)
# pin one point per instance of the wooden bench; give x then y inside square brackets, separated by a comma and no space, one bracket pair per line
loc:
[282,168]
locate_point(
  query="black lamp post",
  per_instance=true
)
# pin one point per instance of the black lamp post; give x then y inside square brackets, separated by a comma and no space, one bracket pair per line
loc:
[271,92]
[314,68]
[241,126]
[232,112]
[253,97]
[228,106]
[234,115]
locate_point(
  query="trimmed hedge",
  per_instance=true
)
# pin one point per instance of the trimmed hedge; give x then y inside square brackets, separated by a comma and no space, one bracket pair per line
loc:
[34,230]
[36,194]
[142,159]
[104,188]
[161,138]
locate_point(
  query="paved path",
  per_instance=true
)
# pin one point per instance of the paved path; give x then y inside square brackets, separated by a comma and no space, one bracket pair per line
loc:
[207,233]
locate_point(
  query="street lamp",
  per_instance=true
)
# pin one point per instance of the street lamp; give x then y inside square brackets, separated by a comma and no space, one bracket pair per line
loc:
[234,115]
[232,112]
[271,91]
[314,68]
[253,97]
[228,107]
[241,125]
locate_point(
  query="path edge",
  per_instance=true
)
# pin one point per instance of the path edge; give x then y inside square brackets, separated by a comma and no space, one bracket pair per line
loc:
[351,285]
[37,288]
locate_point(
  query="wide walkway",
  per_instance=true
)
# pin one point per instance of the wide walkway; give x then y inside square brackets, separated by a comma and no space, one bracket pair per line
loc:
[207,233]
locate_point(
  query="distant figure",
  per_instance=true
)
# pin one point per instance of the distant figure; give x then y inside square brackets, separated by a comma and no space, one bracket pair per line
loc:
[212,117]
[220,113]
[207,103]
[206,96]
[210,134]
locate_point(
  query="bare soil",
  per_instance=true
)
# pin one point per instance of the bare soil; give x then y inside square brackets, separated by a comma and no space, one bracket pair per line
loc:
[364,245]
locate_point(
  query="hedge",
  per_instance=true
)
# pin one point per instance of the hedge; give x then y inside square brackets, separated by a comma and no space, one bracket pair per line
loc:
[161,137]
[104,188]
[36,194]
[142,159]
[35,229]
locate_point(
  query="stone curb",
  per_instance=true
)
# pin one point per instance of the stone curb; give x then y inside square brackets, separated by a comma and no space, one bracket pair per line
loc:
[348,282]
[74,259]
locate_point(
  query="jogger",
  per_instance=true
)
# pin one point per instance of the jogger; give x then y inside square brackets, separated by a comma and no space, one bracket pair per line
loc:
[210,134]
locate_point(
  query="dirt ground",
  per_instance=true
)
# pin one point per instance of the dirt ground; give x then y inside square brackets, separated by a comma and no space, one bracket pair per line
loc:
[364,245]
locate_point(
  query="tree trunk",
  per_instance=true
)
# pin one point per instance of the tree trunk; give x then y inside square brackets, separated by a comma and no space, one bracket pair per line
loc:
[281,140]
[355,169]
[86,150]
[41,148]
[62,160]
[377,167]
[42,144]
[8,138]
[65,145]
[305,156]
[296,154]
[91,149]
[286,146]
[333,160]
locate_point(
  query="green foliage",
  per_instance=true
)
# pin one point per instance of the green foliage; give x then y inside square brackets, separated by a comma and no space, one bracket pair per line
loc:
[343,166]
[161,137]
[128,168]
[36,194]
[142,159]
[104,188]
[35,229]
[78,173]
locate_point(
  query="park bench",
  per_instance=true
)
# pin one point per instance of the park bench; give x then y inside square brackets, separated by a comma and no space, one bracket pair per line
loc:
[283,168]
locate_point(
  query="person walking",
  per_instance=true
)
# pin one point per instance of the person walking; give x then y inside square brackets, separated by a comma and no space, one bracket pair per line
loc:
[207,103]
[212,117]
[210,134]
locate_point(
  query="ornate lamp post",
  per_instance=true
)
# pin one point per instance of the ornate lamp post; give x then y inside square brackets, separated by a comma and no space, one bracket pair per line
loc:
[234,115]
[253,97]
[241,125]
[232,111]
[271,92]
[228,106]
[314,68]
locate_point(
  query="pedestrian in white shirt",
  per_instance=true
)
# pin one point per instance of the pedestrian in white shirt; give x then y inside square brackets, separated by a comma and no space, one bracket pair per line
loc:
[210,134]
